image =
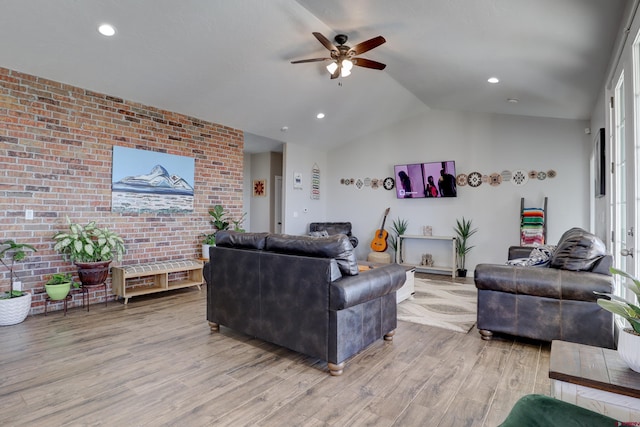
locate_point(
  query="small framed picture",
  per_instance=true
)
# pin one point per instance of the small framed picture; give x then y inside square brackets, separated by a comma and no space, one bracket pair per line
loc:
[259,187]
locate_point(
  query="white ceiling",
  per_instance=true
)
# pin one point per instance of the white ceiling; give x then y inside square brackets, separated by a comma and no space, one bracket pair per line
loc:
[229,61]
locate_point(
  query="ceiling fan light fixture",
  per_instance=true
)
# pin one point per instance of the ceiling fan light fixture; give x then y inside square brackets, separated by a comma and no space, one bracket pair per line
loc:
[344,72]
[332,67]
[347,65]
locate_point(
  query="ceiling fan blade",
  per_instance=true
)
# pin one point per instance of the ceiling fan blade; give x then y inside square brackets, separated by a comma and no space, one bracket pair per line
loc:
[365,46]
[302,61]
[367,63]
[325,42]
[336,73]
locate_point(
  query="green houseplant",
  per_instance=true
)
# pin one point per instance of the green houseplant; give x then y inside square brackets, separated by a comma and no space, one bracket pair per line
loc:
[90,248]
[398,228]
[14,305]
[629,338]
[221,220]
[463,233]
[59,285]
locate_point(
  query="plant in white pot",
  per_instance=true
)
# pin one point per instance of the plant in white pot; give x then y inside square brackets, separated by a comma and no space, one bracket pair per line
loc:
[14,305]
[629,338]
[91,249]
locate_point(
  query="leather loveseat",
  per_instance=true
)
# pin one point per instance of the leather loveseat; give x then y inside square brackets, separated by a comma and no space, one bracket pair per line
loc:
[300,292]
[554,302]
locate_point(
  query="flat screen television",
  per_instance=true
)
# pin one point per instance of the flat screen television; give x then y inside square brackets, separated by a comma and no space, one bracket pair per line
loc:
[426,180]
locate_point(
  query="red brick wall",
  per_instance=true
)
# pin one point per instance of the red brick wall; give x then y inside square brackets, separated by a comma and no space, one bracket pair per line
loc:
[56,157]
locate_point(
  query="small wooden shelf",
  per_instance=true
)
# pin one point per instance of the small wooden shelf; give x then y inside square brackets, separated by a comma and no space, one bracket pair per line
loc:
[160,272]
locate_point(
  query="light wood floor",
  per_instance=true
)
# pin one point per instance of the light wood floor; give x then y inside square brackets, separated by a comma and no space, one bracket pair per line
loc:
[155,363]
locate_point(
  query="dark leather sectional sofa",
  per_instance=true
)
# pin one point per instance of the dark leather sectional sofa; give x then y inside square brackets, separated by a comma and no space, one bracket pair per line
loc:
[303,293]
[549,303]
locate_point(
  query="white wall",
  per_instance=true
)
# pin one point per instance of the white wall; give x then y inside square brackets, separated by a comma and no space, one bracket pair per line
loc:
[299,209]
[477,142]
[260,206]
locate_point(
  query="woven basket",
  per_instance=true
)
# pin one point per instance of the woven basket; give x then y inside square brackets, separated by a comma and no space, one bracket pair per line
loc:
[14,310]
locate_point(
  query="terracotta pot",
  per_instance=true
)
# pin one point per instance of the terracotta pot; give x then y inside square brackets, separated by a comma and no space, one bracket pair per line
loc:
[93,273]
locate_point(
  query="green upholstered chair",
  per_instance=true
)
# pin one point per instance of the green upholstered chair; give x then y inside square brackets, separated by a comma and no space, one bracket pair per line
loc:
[536,410]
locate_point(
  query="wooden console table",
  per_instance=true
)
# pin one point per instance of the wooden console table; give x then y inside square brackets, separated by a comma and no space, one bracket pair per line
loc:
[427,239]
[594,378]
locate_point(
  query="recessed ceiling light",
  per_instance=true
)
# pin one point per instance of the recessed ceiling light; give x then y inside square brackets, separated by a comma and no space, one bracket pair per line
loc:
[493,80]
[106,30]
[512,100]
[284,128]
[320,115]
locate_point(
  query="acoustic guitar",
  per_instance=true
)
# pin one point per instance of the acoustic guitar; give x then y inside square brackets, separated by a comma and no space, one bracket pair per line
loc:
[379,242]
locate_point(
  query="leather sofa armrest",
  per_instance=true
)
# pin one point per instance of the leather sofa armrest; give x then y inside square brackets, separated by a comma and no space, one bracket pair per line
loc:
[366,286]
[516,252]
[541,281]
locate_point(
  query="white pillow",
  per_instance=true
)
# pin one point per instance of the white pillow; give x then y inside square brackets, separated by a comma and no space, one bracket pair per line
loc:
[540,256]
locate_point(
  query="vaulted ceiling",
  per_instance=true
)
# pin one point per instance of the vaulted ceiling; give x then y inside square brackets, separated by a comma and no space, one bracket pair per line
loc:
[229,61]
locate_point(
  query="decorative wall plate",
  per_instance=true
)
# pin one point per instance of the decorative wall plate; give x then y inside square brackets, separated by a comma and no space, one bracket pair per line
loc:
[474,179]
[519,177]
[347,181]
[461,179]
[388,183]
[542,175]
[342,181]
[375,183]
[495,179]
[533,174]
[352,181]
[359,184]
[506,175]
[367,182]
[485,178]
[551,173]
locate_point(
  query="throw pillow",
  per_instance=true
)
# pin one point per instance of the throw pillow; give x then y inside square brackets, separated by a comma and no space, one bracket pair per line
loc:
[540,256]
[337,247]
[322,233]
[578,250]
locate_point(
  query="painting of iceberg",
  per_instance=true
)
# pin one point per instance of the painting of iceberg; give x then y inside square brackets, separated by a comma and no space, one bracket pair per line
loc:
[147,181]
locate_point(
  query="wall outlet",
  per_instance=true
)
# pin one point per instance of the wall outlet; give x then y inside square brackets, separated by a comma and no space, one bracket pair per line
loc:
[17,286]
[28,214]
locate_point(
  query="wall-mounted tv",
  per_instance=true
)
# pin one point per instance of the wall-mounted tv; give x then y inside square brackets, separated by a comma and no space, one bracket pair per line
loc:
[426,180]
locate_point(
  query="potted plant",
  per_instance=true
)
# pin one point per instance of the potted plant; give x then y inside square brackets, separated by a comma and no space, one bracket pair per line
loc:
[463,233]
[398,228]
[221,219]
[59,285]
[208,240]
[629,338]
[14,305]
[91,249]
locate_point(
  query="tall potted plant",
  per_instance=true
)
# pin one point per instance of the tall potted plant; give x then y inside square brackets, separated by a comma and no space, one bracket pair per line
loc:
[398,228]
[91,249]
[14,305]
[629,338]
[463,233]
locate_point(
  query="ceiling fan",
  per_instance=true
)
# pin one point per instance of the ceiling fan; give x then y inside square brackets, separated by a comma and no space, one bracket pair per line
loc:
[343,57]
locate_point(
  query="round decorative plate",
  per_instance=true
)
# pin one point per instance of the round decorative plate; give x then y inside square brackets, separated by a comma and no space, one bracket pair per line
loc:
[551,173]
[342,181]
[485,178]
[461,179]
[375,183]
[506,175]
[359,184]
[352,181]
[495,179]
[533,174]
[542,175]
[388,183]
[347,181]
[519,177]
[474,179]
[367,182]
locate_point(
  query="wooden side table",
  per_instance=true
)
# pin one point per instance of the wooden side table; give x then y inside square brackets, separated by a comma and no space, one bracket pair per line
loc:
[594,378]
